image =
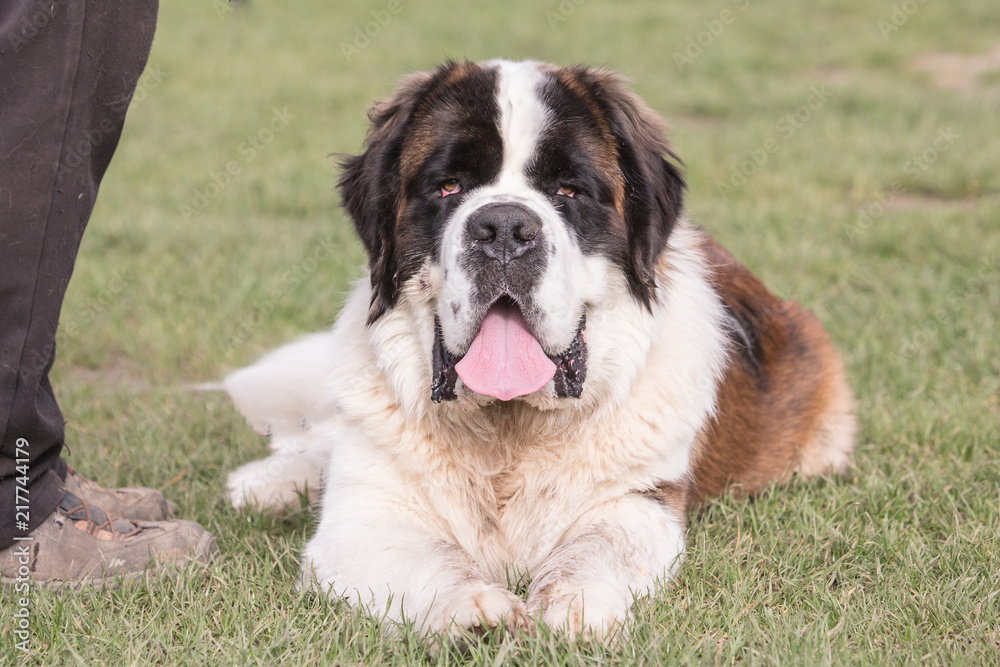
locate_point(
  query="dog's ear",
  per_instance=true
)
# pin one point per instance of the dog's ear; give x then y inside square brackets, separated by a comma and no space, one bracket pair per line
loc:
[371,189]
[654,184]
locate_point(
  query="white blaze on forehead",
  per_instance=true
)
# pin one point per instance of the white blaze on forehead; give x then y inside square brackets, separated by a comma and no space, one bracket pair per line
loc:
[570,280]
[523,116]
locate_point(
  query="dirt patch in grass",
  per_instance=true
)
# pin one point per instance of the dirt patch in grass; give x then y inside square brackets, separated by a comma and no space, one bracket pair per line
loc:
[915,201]
[115,377]
[957,71]
[833,76]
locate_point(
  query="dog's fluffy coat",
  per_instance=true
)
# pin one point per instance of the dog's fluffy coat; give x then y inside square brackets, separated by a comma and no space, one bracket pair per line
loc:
[696,377]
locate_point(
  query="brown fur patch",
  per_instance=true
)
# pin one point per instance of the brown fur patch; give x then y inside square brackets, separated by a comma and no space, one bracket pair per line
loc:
[424,137]
[426,130]
[388,115]
[604,151]
[784,405]
[672,495]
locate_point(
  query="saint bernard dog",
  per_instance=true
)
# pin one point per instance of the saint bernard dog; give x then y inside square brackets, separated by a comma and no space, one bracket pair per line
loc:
[546,369]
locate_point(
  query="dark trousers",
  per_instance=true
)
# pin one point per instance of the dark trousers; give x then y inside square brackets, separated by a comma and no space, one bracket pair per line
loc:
[68,69]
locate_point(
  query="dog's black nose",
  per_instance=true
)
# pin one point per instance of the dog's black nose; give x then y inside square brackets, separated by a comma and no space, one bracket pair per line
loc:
[504,231]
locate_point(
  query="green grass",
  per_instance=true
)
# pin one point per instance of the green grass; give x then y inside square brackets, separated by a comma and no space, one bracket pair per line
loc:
[899,563]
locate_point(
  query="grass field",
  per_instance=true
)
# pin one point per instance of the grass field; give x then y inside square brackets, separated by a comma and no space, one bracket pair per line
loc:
[847,151]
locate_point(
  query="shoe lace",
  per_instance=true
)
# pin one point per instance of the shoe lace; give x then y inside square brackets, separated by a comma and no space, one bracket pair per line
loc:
[94,520]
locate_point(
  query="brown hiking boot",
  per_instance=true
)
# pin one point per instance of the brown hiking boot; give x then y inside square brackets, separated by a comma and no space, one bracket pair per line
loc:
[131,502]
[79,545]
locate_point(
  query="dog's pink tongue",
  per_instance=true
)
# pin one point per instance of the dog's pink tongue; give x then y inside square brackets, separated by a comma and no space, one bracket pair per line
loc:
[505,360]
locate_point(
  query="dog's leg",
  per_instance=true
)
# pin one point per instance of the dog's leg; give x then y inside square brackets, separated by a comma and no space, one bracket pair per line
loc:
[384,551]
[401,573]
[282,395]
[618,551]
[276,483]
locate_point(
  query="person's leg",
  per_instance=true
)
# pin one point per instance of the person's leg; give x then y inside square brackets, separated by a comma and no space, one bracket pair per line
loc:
[67,73]
[68,69]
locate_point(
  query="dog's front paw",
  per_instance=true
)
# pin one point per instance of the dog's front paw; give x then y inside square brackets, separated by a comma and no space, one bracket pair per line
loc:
[475,606]
[593,611]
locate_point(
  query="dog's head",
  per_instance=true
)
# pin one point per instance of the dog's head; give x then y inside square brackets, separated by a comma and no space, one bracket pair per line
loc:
[523,186]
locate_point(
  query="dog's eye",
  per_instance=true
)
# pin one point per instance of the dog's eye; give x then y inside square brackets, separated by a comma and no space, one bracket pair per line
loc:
[566,191]
[450,187]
